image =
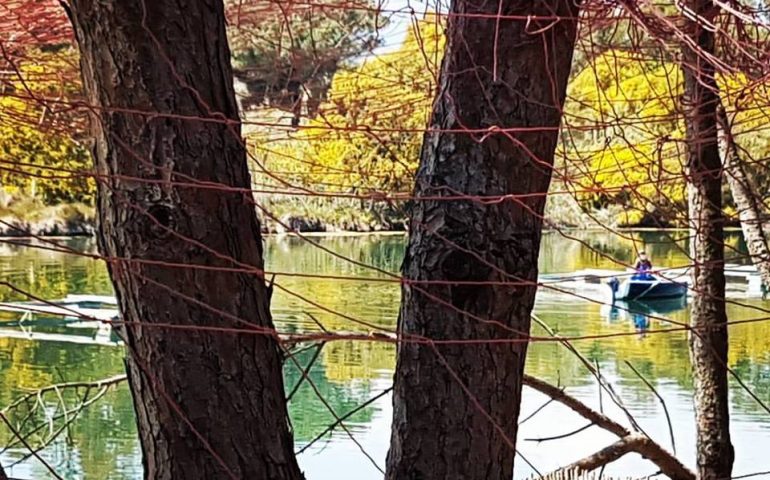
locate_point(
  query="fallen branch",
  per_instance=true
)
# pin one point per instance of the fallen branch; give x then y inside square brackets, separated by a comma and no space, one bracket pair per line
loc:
[640,444]
[629,442]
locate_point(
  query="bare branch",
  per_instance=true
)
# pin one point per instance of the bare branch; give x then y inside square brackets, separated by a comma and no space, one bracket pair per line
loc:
[577,406]
[746,196]
[563,435]
[21,439]
[345,417]
[662,402]
[305,371]
[603,383]
[606,455]
[629,442]
[640,444]
[105,382]
[34,402]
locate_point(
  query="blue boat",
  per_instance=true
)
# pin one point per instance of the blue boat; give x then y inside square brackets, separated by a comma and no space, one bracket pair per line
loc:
[645,286]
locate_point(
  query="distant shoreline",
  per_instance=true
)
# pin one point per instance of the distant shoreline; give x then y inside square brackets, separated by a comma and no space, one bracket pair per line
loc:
[16,229]
[79,220]
[80,234]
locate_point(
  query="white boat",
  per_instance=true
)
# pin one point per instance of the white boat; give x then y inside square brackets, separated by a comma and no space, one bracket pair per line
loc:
[646,287]
[86,308]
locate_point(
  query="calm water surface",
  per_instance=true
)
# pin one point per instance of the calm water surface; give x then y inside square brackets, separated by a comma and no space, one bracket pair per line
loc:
[102,443]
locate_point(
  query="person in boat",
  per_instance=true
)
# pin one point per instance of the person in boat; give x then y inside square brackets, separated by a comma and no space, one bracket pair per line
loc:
[643,267]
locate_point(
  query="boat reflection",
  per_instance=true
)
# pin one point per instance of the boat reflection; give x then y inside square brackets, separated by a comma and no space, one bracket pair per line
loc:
[640,313]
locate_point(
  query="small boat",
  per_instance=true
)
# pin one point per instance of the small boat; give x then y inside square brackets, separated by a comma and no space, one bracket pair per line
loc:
[43,320]
[642,287]
[73,308]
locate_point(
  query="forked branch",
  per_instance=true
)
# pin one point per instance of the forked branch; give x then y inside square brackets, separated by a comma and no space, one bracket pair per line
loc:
[628,442]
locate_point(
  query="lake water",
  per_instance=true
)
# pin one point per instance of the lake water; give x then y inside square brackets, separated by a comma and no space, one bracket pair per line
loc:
[102,443]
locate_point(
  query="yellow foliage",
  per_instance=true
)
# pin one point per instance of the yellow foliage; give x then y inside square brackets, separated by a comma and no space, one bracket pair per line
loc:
[625,136]
[38,154]
[746,103]
[628,97]
[368,133]
[625,133]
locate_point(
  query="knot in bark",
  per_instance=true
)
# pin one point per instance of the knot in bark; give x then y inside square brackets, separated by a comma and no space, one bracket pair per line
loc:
[160,221]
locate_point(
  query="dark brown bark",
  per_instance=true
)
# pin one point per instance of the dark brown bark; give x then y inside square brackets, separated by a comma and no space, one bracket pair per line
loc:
[708,340]
[3,476]
[171,58]
[456,406]
[746,197]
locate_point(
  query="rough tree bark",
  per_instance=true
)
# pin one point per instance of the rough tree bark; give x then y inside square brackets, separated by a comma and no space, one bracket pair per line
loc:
[708,340]
[746,197]
[209,405]
[456,406]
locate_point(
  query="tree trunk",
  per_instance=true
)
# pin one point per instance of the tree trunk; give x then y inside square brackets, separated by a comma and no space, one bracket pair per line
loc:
[746,197]
[456,405]
[708,340]
[208,404]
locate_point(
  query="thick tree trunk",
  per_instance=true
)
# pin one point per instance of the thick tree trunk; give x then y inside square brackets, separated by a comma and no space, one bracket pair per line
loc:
[209,405]
[456,405]
[746,197]
[708,341]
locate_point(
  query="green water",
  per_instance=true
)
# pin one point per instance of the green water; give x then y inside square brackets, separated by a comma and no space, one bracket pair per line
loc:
[102,444]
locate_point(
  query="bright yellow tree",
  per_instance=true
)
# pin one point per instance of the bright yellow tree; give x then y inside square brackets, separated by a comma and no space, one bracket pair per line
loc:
[623,141]
[367,136]
[624,136]
[39,154]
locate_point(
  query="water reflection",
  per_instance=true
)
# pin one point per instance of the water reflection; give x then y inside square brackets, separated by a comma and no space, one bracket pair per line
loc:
[103,445]
[640,313]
